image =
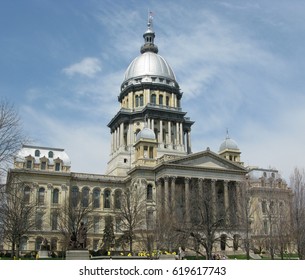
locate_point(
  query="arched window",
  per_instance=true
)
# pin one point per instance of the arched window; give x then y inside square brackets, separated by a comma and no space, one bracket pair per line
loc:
[161,99]
[74,196]
[26,194]
[223,241]
[167,101]
[149,192]
[38,242]
[153,99]
[41,195]
[96,198]
[85,197]
[23,243]
[236,242]
[117,199]
[37,153]
[141,100]
[107,199]
[55,197]
[51,154]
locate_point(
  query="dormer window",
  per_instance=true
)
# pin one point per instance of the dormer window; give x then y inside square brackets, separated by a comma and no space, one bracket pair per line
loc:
[29,164]
[51,154]
[57,166]
[37,153]
[43,165]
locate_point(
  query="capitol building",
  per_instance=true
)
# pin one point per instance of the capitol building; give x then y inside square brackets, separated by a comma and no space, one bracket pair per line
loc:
[152,177]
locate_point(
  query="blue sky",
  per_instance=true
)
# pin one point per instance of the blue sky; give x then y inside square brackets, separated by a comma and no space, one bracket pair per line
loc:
[240,65]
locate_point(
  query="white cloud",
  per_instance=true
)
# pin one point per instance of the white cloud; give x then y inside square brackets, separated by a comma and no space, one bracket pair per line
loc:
[88,67]
[87,144]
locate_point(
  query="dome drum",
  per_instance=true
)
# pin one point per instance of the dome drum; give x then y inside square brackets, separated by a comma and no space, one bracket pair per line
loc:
[171,88]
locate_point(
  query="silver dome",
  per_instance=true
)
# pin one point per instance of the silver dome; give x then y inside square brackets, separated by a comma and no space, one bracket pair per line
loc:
[146,133]
[149,65]
[228,144]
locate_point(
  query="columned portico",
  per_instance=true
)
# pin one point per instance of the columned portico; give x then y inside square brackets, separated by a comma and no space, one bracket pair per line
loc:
[220,196]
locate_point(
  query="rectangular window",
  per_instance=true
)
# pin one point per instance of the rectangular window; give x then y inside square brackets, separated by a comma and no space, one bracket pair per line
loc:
[265,227]
[38,221]
[137,101]
[118,225]
[29,164]
[54,221]
[96,224]
[43,165]
[57,166]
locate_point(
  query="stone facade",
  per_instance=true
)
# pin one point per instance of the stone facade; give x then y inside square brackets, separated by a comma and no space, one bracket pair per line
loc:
[151,153]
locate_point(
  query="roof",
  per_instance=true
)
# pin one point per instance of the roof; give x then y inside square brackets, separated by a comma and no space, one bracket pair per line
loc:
[38,152]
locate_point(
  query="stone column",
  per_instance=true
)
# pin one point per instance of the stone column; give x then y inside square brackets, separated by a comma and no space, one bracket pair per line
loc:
[189,145]
[187,199]
[177,134]
[226,200]
[239,197]
[169,129]
[181,133]
[213,198]
[128,134]
[114,140]
[166,193]
[117,138]
[161,133]
[121,134]
[159,193]
[173,193]
[200,189]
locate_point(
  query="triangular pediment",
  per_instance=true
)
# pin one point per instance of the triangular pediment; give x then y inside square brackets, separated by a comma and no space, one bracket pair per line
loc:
[207,159]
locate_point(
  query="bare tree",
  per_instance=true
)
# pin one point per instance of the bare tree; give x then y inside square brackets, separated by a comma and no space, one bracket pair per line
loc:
[297,183]
[166,231]
[132,212]
[17,214]
[70,219]
[247,209]
[11,135]
[207,219]
[284,230]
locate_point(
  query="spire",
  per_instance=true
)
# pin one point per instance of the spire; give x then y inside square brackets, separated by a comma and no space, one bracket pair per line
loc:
[149,37]
[227,137]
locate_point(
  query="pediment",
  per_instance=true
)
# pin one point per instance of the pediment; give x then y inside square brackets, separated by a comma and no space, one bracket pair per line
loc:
[207,159]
